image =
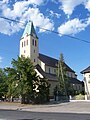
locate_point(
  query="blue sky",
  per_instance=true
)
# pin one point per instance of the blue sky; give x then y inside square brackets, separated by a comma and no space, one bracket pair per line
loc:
[70,17]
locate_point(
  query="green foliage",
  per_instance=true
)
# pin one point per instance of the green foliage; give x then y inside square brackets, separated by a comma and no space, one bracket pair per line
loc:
[20,78]
[42,94]
[3,83]
[11,81]
[23,81]
[56,89]
[79,97]
[62,77]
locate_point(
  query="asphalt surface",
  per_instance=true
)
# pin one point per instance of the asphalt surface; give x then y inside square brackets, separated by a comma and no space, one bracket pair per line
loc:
[68,107]
[77,110]
[26,115]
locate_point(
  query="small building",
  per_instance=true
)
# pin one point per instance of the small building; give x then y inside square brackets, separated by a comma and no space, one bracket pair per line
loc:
[45,66]
[86,75]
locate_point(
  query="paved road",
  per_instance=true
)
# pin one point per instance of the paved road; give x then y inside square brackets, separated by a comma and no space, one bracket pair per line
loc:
[69,107]
[26,115]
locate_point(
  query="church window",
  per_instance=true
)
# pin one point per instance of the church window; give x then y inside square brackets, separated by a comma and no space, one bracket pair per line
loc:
[68,74]
[45,68]
[79,87]
[34,51]
[27,42]
[34,60]
[35,43]
[22,44]
[54,70]
[71,75]
[24,51]
[49,70]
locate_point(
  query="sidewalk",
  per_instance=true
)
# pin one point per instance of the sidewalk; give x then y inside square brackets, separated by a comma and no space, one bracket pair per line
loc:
[68,107]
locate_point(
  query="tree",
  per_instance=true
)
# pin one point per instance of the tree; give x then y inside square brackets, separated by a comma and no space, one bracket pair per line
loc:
[62,77]
[42,94]
[21,77]
[3,83]
[12,82]
[23,81]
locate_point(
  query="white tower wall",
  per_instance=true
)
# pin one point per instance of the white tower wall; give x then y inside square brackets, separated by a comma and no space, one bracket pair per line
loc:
[29,44]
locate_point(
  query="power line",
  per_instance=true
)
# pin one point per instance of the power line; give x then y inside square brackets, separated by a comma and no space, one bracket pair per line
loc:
[66,35]
[83,40]
[12,20]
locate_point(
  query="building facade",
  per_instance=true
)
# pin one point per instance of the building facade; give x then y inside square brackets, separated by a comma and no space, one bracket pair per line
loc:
[45,66]
[86,76]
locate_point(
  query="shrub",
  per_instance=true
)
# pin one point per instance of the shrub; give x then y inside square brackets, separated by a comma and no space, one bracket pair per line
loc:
[79,97]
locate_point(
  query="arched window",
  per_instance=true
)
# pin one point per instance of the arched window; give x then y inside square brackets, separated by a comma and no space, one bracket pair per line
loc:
[22,44]
[35,43]
[27,42]
[49,70]
[24,51]
[34,60]
[34,51]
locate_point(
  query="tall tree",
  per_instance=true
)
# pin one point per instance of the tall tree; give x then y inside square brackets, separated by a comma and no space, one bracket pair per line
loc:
[21,77]
[23,81]
[62,77]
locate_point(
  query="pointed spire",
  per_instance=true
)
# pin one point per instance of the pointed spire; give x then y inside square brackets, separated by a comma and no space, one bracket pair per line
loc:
[29,30]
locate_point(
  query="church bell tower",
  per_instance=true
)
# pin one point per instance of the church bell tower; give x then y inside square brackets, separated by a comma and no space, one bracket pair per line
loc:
[29,43]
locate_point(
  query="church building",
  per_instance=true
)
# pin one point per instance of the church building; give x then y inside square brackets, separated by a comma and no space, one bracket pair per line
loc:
[45,66]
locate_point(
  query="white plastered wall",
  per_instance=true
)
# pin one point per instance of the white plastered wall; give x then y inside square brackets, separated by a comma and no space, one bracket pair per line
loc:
[87,82]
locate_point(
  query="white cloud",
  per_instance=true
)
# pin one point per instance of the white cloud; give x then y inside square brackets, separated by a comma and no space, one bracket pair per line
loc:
[5,26]
[38,19]
[68,6]
[18,9]
[53,14]
[55,1]
[87,5]
[5,1]
[9,28]
[73,26]
[22,11]
[88,21]
[36,2]
[33,2]
[1,59]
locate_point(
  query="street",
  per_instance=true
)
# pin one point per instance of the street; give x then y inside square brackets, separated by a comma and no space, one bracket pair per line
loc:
[25,115]
[79,110]
[68,107]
